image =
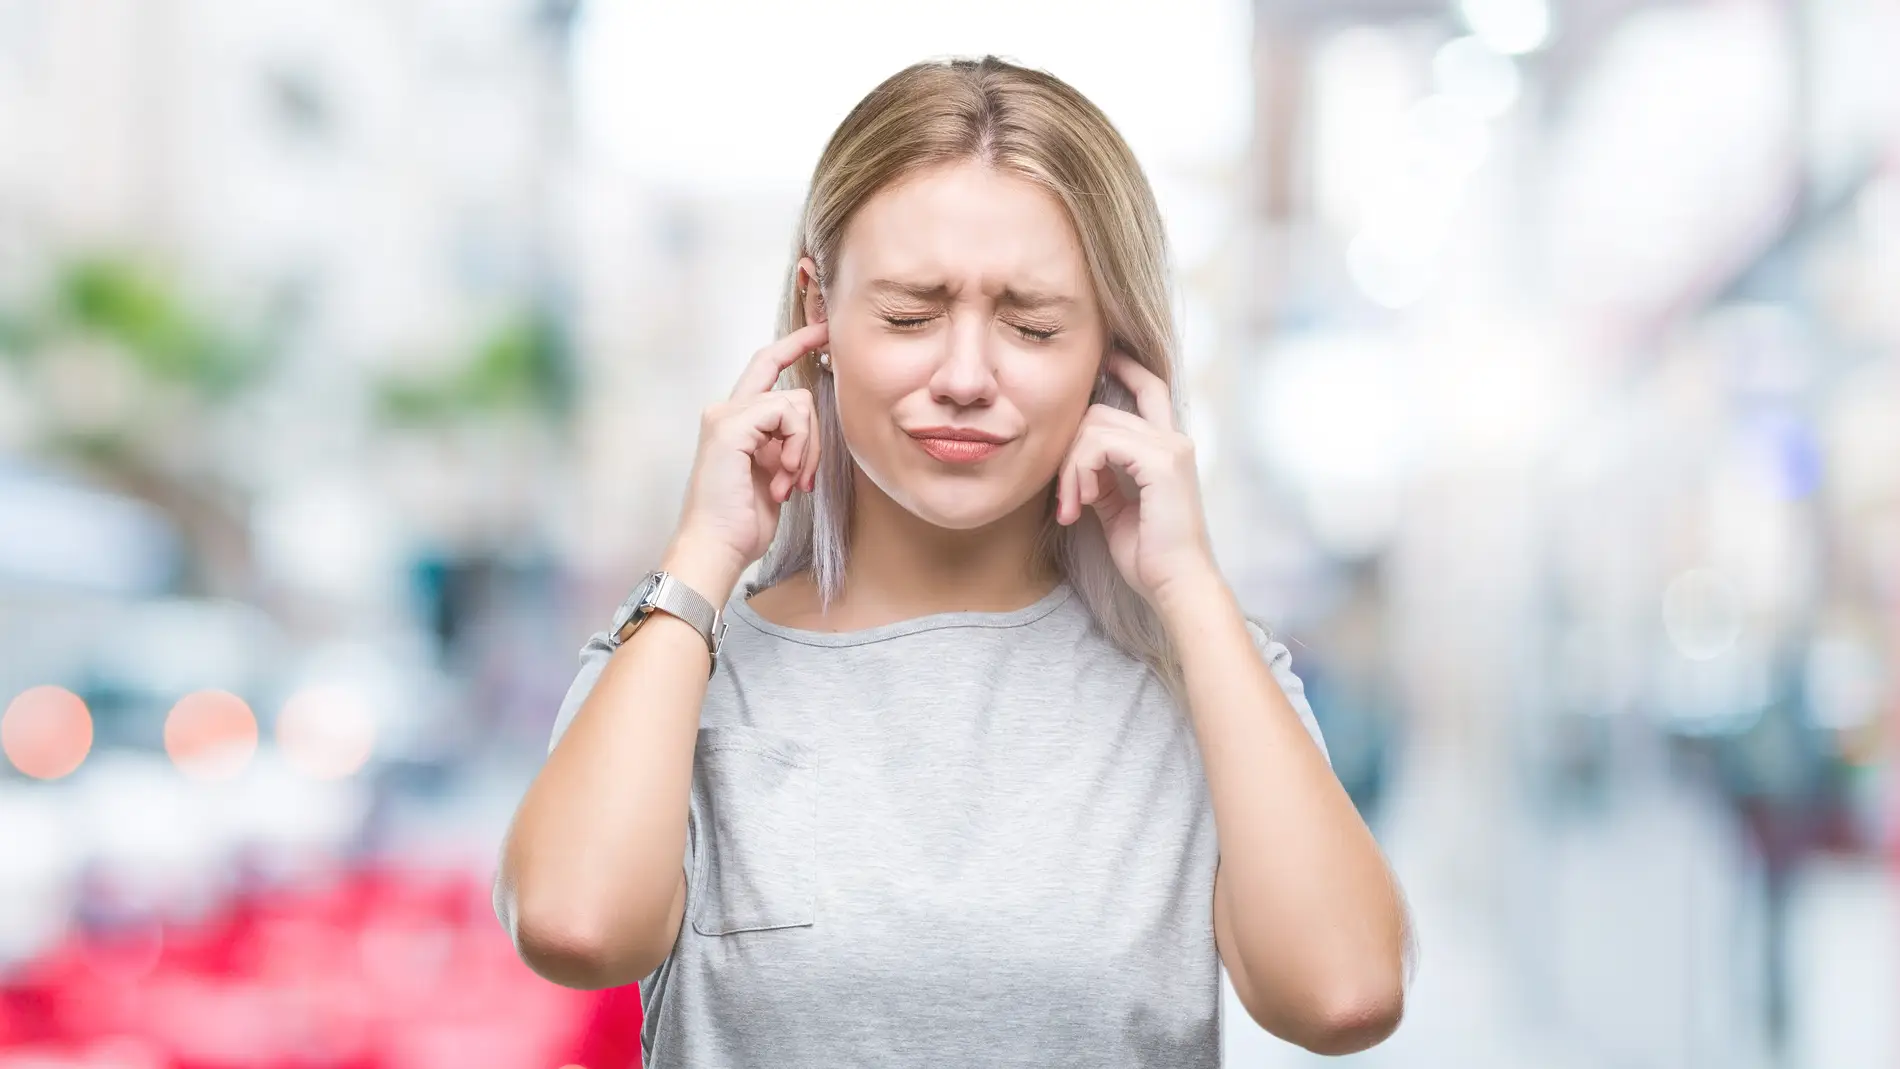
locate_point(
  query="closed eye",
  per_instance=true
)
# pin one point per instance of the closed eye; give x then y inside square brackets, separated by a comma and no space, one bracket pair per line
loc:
[914,322]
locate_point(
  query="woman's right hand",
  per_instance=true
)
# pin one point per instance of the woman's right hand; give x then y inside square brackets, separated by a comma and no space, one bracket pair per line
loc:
[755,447]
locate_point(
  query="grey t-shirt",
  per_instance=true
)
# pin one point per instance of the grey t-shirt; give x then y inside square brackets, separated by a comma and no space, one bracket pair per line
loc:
[974,838]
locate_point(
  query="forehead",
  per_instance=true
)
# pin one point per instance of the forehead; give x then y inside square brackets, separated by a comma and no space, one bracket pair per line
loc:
[966,226]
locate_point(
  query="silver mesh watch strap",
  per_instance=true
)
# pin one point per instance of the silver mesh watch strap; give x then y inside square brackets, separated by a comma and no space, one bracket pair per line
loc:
[672,596]
[664,593]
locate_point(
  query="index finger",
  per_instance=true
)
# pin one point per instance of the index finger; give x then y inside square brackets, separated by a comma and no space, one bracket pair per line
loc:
[767,363]
[1153,402]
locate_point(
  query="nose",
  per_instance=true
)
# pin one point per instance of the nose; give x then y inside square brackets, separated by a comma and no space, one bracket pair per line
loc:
[964,375]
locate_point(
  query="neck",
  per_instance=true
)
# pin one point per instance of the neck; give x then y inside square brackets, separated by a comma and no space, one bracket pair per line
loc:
[903,566]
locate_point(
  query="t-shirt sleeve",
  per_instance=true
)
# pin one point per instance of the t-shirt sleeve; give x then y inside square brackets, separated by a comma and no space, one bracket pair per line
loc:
[595,653]
[1280,660]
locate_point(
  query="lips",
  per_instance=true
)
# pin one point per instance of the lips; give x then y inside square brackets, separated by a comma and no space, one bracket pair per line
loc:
[958,451]
[958,445]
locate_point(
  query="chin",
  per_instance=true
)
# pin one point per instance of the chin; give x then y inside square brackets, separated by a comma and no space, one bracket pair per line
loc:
[956,503]
[957,512]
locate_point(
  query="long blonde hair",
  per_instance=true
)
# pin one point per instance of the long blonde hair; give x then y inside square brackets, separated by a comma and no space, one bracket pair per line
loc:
[1035,126]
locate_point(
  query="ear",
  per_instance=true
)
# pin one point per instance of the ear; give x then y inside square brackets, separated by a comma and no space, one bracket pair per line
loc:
[814,298]
[1108,389]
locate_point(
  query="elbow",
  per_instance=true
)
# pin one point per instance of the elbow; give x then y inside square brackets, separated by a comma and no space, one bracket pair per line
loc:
[563,948]
[568,956]
[1354,1018]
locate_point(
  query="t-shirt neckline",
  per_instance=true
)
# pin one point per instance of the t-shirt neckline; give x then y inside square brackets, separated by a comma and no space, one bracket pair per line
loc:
[1028,614]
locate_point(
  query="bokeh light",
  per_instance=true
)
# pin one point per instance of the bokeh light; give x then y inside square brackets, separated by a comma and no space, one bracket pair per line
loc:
[1702,613]
[211,734]
[326,732]
[46,732]
[1511,26]
[1390,279]
[1467,70]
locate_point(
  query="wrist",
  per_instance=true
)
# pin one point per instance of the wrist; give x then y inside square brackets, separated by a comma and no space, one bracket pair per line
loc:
[1192,596]
[711,574]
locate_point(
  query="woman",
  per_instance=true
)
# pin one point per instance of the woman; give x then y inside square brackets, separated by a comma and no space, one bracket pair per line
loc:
[989,763]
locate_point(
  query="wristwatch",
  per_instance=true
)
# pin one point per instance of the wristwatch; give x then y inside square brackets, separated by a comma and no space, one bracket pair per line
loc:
[662,591]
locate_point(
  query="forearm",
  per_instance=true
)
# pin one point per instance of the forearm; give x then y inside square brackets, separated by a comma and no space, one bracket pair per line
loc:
[591,863]
[1315,919]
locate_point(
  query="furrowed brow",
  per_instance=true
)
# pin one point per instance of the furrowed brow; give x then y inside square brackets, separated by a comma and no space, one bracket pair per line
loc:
[914,290]
[1031,300]
[1028,300]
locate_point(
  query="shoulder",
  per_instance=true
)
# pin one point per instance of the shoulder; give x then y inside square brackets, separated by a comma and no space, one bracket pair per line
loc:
[1269,645]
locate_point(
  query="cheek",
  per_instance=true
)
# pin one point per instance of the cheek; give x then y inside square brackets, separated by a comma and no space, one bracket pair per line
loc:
[869,390]
[1051,396]
[1052,405]
[879,370]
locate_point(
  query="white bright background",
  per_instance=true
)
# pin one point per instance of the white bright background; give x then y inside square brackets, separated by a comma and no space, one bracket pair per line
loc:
[741,97]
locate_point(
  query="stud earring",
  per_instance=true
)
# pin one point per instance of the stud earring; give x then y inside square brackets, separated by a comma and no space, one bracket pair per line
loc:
[824,359]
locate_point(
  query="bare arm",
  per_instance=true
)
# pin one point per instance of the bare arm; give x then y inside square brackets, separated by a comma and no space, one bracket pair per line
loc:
[590,885]
[1307,916]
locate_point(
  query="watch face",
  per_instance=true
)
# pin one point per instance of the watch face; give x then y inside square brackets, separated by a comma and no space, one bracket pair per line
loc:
[633,609]
[648,587]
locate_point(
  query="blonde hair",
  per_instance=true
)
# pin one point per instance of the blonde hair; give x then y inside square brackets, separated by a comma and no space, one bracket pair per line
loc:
[1035,126]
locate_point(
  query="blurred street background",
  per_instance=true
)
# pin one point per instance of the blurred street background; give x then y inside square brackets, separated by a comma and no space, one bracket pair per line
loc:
[1544,358]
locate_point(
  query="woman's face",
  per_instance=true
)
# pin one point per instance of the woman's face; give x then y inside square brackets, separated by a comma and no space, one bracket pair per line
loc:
[960,306]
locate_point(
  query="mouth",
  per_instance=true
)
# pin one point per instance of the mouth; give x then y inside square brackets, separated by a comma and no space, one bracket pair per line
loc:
[958,445]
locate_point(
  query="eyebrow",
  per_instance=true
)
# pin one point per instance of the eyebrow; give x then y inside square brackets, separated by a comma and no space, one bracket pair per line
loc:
[1025,299]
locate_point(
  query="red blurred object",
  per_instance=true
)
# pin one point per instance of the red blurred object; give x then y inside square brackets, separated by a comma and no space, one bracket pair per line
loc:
[612,1038]
[372,969]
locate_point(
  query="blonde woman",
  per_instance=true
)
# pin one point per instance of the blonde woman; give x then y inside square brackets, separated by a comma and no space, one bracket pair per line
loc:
[987,766]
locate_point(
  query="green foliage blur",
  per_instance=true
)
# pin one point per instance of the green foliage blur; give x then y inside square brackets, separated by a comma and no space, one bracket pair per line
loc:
[141,311]
[519,367]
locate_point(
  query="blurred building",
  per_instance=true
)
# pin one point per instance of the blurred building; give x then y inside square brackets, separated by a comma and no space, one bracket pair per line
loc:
[1604,435]
[379,185]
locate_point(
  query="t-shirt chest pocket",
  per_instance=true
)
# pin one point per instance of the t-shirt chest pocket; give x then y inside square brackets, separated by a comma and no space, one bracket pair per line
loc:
[758,851]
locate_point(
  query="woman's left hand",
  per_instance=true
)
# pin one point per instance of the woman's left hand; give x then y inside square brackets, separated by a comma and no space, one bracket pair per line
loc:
[1156,529]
